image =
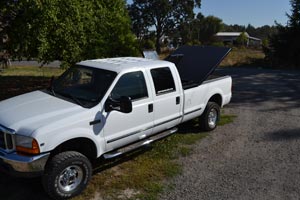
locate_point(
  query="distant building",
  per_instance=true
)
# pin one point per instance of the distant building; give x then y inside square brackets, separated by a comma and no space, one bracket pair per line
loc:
[231,37]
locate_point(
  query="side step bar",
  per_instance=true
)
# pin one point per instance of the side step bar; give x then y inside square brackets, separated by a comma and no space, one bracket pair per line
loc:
[139,144]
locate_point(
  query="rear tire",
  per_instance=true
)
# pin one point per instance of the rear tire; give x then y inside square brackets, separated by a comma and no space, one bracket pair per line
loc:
[66,175]
[210,117]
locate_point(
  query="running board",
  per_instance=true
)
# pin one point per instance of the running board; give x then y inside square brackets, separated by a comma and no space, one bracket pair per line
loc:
[139,144]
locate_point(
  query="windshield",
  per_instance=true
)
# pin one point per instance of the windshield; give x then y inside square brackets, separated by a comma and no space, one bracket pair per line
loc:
[83,85]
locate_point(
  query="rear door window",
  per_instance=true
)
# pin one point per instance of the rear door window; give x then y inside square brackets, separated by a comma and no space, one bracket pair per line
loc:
[163,80]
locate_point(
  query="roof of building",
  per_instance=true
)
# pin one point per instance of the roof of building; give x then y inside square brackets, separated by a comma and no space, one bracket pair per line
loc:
[236,34]
[231,34]
[123,64]
[254,38]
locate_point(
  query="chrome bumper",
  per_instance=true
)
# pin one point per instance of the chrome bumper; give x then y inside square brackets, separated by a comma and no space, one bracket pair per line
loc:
[20,165]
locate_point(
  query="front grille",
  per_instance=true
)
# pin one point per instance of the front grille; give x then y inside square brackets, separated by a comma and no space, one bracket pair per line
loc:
[2,140]
[6,139]
[9,141]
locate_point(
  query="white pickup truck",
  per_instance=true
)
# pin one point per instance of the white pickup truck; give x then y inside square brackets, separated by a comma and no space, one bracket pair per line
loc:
[104,108]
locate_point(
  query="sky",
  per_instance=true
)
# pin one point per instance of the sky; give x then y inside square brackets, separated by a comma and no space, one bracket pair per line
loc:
[244,12]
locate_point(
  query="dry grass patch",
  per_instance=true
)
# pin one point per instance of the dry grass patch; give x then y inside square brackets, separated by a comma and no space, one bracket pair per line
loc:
[243,57]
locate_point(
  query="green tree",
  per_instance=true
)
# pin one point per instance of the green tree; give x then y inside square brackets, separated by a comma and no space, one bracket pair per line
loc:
[163,15]
[251,30]
[242,39]
[201,29]
[284,46]
[234,28]
[209,26]
[186,30]
[68,30]
[265,43]
[260,32]
[265,32]
[294,18]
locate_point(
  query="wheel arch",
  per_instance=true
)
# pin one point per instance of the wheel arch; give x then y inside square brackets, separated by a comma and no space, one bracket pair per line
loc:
[83,145]
[217,98]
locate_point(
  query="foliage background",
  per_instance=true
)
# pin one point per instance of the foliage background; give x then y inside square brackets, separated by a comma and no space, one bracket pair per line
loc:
[284,48]
[67,30]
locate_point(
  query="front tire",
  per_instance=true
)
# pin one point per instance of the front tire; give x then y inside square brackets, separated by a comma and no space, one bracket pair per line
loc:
[210,117]
[67,175]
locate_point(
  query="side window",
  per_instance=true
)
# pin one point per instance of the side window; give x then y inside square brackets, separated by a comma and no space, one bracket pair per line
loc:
[132,85]
[163,80]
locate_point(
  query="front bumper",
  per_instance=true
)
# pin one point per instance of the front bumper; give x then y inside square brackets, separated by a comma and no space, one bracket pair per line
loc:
[19,165]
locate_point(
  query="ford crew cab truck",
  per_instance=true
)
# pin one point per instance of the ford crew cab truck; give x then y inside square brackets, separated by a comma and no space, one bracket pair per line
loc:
[105,108]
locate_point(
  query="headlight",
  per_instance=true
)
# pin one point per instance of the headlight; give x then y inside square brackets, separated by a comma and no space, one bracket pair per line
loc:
[27,145]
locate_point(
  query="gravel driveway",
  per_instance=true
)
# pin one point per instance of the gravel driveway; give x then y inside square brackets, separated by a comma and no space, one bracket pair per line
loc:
[257,156]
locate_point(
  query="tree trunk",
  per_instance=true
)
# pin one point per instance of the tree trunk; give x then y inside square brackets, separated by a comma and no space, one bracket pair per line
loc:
[157,44]
[158,35]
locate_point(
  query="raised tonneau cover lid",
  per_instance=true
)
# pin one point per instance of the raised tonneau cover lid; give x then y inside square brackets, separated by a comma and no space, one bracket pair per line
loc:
[196,63]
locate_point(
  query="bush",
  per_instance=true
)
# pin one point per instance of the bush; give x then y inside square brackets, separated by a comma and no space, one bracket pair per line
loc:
[218,44]
[242,40]
[194,43]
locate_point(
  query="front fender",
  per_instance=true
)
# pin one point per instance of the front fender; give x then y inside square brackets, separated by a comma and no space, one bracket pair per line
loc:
[48,144]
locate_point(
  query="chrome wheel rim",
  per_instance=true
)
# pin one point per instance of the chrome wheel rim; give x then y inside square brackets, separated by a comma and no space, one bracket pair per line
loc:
[212,118]
[70,178]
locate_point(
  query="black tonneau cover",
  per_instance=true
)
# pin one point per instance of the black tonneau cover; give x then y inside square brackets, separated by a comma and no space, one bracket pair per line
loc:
[196,63]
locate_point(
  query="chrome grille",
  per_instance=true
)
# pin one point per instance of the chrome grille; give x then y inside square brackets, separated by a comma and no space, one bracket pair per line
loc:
[2,140]
[6,138]
[9,141]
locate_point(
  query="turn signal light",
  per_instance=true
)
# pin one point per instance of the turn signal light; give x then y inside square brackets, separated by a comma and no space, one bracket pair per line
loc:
[33,150]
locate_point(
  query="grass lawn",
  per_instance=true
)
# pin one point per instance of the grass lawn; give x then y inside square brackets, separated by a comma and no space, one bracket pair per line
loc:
[32,71]
[139,175]
[18,80]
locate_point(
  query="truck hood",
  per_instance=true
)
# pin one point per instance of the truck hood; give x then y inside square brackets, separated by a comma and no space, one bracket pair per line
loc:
[28,112]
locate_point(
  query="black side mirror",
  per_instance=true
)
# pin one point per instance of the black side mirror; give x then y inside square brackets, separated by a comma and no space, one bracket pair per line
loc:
[123,105]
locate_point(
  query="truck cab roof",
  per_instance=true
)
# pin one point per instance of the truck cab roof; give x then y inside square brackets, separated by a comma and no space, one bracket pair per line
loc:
[124,63]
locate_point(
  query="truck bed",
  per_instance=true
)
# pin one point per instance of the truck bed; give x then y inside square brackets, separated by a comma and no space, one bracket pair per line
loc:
[196,97]
[188,84]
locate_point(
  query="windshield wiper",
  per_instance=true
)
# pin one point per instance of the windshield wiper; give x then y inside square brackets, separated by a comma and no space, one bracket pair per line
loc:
[73,98]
